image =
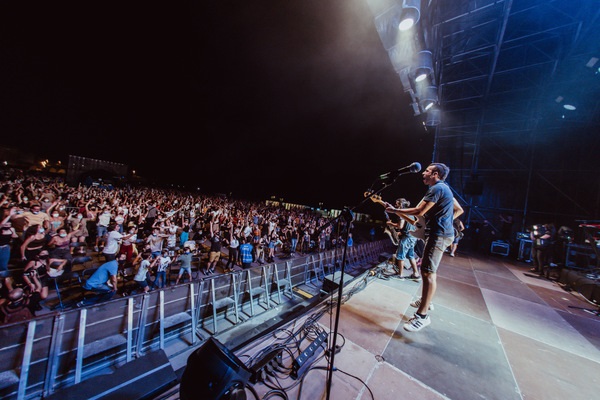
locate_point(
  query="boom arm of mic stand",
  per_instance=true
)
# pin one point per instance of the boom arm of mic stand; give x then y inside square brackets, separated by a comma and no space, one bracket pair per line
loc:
[385,184]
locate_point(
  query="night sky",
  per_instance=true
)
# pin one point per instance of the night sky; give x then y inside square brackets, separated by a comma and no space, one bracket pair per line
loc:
[296,99]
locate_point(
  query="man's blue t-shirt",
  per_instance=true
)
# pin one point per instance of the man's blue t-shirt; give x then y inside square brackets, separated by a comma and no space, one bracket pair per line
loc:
[104,272]
[439,217]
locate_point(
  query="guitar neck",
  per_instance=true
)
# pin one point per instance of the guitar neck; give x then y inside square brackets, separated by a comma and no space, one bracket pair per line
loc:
[411,219]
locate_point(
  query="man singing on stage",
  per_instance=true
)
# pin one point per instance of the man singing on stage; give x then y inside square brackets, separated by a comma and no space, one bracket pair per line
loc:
[440,208]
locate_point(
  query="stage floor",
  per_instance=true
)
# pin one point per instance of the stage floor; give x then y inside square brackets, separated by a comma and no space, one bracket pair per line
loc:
[497,332]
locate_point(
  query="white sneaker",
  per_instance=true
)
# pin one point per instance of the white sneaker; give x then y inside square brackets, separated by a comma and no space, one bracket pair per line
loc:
[417,304]
[417,323]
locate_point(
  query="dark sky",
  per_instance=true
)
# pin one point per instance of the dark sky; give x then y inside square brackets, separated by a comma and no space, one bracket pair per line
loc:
[296,99]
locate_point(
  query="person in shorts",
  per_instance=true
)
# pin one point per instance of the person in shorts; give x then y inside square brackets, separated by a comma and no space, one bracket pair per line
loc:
[440,208]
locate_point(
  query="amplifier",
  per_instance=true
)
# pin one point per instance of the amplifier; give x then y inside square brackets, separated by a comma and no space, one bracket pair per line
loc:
[332,281]
[582,256]
[525,250]
[500,247]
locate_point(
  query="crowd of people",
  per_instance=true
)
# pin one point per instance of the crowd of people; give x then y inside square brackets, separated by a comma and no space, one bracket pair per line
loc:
[46,224]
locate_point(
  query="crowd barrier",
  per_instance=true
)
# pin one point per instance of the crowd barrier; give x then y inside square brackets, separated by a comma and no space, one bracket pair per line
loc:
[63,348]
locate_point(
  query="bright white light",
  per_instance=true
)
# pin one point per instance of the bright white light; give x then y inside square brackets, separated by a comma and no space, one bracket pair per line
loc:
[428,105]
[420,78]
[406,24]
[570,107]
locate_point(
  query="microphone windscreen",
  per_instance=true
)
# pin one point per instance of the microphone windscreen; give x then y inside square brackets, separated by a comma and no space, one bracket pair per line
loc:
[415,167]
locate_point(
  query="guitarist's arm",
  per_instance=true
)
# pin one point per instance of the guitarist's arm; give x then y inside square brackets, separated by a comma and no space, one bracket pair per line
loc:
[419,210]
[458,210]
[422,208]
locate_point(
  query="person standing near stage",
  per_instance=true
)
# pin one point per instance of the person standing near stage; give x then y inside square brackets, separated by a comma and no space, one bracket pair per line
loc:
[234,251]
[406,243]
[459,228]
[113,242]
[542,237]
[440,208]
[246,253]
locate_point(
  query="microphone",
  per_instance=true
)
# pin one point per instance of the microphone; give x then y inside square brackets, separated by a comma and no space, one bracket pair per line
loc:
[409,169]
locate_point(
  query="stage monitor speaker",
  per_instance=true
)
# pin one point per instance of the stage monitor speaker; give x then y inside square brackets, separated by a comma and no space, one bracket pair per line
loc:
[332,281]
[500,247]
[213,372]
[525,246]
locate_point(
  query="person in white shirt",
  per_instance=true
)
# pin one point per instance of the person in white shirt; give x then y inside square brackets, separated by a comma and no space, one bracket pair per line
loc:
[164,261]
[120,220]
[234,245]
[141,276]
[171,230]
[102,227]
[113,241]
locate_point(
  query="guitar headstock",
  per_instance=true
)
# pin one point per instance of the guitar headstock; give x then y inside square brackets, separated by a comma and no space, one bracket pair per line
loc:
[374,197]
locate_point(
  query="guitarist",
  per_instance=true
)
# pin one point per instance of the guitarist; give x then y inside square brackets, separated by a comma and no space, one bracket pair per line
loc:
[440,208]
[406,243]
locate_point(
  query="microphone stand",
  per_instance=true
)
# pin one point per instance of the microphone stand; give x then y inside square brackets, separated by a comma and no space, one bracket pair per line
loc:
[348,215]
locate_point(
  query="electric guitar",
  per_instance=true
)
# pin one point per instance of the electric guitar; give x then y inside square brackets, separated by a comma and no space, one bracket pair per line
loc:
[416,220]
[391,230]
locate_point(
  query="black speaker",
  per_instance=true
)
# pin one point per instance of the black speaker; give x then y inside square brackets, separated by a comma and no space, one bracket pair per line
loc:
[332,281]
[213,372]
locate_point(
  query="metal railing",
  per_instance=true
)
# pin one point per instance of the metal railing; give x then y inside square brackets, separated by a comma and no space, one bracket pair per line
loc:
[63,348]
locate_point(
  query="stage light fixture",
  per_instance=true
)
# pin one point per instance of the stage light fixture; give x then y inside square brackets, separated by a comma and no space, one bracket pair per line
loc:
[416,109]
[433,117]
[411,12]
[405,79]
[567,105]
[592,62]
[424,65]
[429,97]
